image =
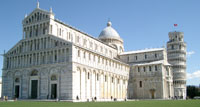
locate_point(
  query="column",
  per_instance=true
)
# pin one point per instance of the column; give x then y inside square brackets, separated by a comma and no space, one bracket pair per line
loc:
[57,55]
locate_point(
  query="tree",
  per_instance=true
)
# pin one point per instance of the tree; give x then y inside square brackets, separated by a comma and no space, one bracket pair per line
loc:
[193,91]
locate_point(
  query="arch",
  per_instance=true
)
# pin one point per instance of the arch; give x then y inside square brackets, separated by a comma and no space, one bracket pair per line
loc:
[34,73]
[53,70]
[17,73]
[78,69]
[54,77]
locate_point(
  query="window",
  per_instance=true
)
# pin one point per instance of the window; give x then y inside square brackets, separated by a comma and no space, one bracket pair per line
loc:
[36,34]
[30,33]
[128,59]
[84,55]
[145,56]
[44,30]
[135,57]
[149,68]
[140,84]
[138,69]
[88,75]
[56,43]
[17,80]
[172,47]
[179,46]
[78,53]
[144,69]
[156,55]
[105,78]
[30,60]
[156,68]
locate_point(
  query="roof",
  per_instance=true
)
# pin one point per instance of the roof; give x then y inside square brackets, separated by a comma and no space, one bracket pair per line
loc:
[153,63]
[142,51]
[109,32]
[82,32]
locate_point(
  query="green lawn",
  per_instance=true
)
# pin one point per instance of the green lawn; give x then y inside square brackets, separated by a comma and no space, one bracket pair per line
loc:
[153,103]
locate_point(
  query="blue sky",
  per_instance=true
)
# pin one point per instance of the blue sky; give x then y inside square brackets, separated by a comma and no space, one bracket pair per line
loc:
[140,23]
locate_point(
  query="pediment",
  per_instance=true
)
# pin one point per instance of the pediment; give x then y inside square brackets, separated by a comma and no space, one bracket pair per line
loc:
[36,15]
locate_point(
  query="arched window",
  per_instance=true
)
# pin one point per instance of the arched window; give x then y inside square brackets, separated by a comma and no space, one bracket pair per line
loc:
[140,84]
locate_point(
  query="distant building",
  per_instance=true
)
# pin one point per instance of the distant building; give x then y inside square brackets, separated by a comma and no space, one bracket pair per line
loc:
[57,61]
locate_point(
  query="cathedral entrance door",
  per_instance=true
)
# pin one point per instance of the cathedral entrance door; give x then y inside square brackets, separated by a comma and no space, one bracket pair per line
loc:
[53,91]
[152,95]
[34,88]
[17,91]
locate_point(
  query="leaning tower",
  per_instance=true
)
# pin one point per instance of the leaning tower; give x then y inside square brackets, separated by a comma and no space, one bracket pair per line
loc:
[176,53]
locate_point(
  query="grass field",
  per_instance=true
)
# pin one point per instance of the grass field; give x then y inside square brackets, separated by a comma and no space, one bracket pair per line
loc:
[152,103]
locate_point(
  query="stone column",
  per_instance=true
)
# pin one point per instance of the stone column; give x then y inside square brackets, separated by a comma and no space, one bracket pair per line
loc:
[57,55]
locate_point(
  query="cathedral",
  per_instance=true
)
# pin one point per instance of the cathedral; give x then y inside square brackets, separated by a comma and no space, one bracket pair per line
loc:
[54,60]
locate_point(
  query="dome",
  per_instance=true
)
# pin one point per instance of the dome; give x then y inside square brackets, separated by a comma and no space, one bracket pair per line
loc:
[109,32]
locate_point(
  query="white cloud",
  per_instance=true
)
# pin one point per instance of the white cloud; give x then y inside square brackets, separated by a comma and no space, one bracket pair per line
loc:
[190,53]
[193,75]
[0,79]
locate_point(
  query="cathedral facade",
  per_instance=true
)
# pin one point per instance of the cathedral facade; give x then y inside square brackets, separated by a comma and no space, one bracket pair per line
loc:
[57,61]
